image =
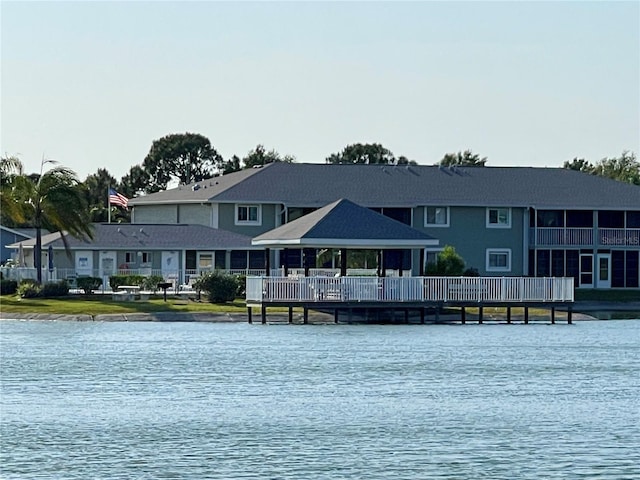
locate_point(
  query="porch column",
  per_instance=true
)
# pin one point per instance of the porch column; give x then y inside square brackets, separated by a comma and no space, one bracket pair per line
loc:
[343,262]
[267,252]
[285,261]
[421,267]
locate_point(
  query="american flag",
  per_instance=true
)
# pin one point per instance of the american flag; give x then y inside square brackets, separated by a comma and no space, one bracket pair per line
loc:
[116,198]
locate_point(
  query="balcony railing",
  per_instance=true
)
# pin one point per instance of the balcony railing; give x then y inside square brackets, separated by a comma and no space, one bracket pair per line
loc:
[584,237]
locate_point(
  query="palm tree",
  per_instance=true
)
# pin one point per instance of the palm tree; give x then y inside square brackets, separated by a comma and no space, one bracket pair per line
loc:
[53,199]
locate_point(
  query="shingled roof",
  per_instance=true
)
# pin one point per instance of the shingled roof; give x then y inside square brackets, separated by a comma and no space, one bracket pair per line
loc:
[345,224]
[123,236]
[316,185]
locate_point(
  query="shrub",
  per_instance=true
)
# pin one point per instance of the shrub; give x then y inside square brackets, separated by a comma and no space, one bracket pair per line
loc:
[449,264]
[55,289]
[29,289]
[89,284]
[220,287]
[8,287]
[471,272]
[241,280]
[151,282]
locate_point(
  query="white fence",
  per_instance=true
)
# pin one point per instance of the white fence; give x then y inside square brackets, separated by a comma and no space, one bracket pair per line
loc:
[409,289]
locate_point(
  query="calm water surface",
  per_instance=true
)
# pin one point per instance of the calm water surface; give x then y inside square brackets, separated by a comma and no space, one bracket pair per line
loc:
[82,400]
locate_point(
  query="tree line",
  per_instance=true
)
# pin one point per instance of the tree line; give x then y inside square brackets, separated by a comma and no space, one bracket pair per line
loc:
[190,157]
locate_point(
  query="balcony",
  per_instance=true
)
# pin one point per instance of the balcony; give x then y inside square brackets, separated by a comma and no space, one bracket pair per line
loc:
[584,237]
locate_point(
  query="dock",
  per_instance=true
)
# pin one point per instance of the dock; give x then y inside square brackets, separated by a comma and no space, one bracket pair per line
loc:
[350,297]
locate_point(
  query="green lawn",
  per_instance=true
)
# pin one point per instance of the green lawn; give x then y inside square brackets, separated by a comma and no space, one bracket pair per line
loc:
[103,304]
[607,295]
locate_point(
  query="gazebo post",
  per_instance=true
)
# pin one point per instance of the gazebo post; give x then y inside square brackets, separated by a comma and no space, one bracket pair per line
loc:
[421,267]
[343,262]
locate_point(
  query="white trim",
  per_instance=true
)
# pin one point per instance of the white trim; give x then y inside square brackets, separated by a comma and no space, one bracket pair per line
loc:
[247,222]
[342,242]
[215,215]
[436,225]
[498,251]
[498,225]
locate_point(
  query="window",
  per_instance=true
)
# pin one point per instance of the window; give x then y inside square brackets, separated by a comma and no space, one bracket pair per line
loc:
[248,215]
[145,257]
[436,216]
[129,257]
[498,260]
[205,261]
[499,217]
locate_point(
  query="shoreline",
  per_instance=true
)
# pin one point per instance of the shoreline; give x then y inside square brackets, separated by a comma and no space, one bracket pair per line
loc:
[582,311]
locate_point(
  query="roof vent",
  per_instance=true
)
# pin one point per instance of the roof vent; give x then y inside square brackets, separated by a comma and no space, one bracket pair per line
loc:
[195,187]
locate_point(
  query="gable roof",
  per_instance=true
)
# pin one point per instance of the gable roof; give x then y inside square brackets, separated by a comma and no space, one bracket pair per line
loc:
[124,236]
[345,224]
[316,185]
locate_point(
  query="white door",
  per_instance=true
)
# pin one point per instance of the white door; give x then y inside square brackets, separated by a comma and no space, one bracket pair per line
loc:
[170,265]
[84,263]
[107,263]
[604,270]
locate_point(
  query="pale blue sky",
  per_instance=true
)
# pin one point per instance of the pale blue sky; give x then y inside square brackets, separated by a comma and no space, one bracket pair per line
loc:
[92,84]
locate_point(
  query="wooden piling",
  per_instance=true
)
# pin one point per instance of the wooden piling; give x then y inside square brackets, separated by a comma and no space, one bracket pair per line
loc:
[526,315]
[264,314]
[463,315]
[290,315]
[306,315]
[569,315]
[249,313]
[508,314]
[553,315]
[480,314]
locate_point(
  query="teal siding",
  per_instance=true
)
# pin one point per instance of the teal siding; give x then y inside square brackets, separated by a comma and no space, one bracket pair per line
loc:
[468,234]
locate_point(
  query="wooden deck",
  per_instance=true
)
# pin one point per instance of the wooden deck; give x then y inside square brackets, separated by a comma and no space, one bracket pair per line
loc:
[408,294]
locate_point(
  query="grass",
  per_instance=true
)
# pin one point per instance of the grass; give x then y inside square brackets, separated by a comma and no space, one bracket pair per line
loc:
[596,295]
[103,304]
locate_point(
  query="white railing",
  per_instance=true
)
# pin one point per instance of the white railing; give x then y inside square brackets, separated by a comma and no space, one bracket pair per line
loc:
[561,236]
[619,236]
[584,236]
[409,289]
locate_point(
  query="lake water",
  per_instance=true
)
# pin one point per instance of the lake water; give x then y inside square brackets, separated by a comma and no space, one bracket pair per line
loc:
[83,400]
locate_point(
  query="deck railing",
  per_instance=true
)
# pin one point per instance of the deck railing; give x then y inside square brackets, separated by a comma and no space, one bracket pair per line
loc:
[409,289]
[584,236]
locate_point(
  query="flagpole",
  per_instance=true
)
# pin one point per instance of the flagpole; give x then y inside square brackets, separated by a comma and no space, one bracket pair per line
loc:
[109,202]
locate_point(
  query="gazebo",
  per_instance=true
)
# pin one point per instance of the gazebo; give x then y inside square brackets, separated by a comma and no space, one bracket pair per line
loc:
[345,225]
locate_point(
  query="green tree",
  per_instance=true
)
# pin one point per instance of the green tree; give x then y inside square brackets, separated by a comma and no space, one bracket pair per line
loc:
[259,156]
[187,157]
[54,200]
[230,166]
[96,191]
[10,168]
[367,153]
[579,164]
[463,159]
[134,182]
[624,168]
[449,263]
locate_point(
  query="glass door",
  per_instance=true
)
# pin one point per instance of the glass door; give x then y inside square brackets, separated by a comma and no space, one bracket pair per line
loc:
[604,270]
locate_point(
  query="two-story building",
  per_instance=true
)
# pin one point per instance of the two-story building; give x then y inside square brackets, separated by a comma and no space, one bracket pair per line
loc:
[501,220]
